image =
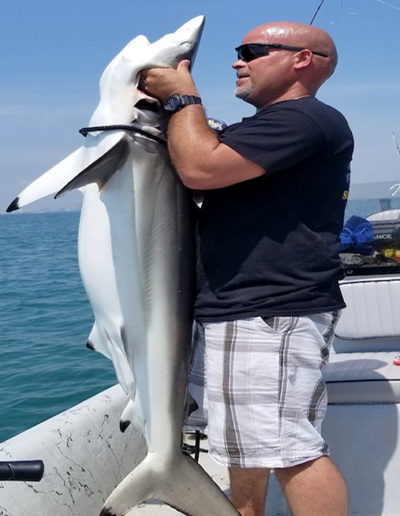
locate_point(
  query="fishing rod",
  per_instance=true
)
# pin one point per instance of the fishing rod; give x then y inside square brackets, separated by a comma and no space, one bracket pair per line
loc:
[316,12]
[396,143]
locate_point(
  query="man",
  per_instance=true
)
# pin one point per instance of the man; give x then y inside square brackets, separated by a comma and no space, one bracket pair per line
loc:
[268,296]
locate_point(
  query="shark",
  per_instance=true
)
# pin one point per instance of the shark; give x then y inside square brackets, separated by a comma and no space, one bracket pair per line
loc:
[136,258]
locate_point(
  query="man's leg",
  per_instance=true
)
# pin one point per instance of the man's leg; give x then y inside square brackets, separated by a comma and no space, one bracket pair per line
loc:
[249,489]
[315,488]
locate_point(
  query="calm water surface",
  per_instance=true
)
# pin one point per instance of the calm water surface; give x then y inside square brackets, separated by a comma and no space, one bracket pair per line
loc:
[45,319]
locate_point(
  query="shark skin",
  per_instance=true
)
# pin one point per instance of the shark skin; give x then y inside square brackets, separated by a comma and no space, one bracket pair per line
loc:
[136,258]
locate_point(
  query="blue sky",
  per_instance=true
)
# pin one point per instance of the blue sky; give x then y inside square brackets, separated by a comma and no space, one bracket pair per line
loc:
[52,54]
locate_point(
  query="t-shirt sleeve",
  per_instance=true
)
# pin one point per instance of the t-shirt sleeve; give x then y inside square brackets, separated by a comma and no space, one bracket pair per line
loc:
[277,139]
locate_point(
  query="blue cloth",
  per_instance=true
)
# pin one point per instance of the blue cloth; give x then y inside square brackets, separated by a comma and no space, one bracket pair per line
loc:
[357,236]
[217,125]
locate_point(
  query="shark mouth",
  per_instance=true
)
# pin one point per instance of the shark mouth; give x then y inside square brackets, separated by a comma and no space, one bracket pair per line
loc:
[148,104]
[145,104]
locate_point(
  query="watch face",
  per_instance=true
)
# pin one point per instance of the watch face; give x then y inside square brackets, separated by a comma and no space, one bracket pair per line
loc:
[176,102]
[172,103]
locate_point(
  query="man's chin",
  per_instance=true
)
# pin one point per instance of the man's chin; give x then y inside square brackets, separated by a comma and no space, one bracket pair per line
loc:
[242,94]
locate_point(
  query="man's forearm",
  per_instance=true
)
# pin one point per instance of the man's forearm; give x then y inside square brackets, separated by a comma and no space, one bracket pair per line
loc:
[190,140]
[191,143]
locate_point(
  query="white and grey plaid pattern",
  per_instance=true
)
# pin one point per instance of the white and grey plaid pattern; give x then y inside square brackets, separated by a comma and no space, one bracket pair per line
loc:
[265,394]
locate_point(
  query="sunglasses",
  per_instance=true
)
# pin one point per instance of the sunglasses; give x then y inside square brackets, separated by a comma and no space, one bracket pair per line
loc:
[250,51]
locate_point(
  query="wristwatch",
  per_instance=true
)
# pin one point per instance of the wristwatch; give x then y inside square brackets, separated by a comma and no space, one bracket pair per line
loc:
[176,102]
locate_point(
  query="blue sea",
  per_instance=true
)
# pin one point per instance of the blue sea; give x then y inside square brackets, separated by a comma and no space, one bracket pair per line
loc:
[45,319]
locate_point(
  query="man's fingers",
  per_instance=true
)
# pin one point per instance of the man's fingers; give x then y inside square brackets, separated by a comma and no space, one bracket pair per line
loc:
[184,64]
[163,82]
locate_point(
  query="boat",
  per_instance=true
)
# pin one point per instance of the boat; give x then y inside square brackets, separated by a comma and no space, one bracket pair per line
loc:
[85,455]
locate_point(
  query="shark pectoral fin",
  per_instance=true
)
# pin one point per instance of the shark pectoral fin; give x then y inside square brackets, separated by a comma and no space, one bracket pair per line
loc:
[51,181]
[100,170]
[180,483]
[85,165]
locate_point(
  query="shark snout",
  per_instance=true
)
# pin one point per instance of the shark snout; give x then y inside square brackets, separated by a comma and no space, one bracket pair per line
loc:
[181,44]
[190,34]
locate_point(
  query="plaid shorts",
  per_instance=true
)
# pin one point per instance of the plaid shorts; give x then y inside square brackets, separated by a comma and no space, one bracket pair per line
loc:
[264,396]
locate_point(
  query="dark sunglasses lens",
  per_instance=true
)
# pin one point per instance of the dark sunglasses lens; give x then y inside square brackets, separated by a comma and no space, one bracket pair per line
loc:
[249,52]
[244,54]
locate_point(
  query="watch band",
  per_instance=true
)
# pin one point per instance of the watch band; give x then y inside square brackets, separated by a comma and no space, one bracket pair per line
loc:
[176,102]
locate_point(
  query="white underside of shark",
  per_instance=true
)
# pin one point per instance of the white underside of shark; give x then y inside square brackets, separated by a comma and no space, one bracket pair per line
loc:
[136,260]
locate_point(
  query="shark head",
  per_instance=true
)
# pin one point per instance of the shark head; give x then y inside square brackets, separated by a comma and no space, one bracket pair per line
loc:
[181,44]
[121,101]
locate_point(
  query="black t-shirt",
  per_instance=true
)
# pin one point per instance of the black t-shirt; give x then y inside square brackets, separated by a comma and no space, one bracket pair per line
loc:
[269,246]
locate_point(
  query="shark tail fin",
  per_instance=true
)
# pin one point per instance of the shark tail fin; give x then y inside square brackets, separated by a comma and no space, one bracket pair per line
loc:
[180,483]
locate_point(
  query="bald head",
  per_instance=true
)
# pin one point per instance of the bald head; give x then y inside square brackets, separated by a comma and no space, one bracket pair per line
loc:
[300,35]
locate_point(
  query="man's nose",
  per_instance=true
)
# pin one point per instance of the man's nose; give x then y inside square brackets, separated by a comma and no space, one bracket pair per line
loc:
[239,63]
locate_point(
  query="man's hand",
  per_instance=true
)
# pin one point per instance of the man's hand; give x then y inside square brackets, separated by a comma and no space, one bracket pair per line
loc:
[164,82]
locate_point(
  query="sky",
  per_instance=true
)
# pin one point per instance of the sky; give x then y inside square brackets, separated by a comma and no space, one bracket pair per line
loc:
[53,53]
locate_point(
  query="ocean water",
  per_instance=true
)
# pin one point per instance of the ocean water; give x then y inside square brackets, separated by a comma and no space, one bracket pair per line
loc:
[366,207]
[45,319]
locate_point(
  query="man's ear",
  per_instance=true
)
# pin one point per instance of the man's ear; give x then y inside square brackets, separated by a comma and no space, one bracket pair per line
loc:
[303,58]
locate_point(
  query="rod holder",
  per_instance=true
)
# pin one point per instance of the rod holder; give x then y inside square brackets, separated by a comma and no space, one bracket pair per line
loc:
[22,470]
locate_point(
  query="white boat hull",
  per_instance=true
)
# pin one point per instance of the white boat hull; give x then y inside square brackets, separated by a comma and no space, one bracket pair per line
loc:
[85,457]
